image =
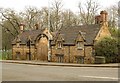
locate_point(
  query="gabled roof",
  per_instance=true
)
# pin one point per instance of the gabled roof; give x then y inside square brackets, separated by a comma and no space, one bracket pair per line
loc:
[68,34]
[24,36]
[60,37]
[80,37]
[89,32]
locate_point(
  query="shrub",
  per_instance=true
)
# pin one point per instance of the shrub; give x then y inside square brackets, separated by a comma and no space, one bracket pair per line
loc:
[107,47]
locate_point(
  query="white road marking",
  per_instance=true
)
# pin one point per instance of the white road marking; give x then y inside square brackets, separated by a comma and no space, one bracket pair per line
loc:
[112,78]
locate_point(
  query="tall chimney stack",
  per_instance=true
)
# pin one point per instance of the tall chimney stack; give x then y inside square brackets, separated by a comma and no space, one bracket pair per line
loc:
[97,19]
[102,18]
[21,27]
[104,15]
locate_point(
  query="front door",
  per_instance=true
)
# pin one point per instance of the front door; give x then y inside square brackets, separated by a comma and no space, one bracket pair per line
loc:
[18,55]
[42,49]
[60,58]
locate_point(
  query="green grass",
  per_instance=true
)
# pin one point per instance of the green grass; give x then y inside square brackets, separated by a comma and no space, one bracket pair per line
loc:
[0,55]
[6,55]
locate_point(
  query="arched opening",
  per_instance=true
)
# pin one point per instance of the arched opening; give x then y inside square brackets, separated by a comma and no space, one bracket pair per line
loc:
[42,48]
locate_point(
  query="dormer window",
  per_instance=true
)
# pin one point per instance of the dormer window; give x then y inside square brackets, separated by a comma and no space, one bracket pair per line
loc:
[80,45]
[60,40]
[59,45]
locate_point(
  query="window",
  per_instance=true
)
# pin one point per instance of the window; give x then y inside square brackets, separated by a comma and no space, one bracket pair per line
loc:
[17,45]
[79,45]
[17,55]
[79,59]
[59,44]
[60,58]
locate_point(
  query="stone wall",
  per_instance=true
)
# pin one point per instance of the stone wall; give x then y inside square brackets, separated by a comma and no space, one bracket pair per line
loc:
[89,58]
[24,52]
[71,52]
[104,32]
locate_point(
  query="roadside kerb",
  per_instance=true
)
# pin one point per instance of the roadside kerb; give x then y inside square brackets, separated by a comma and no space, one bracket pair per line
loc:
[61,64]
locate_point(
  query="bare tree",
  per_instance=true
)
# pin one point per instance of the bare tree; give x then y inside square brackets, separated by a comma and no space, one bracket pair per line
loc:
[30,16]
[88,11]
[69,18]
[56,14]
[44,17]
[113,15]
[10,26]
[9,21]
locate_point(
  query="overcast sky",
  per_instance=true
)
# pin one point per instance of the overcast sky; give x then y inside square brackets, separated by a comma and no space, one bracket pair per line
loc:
[19,5]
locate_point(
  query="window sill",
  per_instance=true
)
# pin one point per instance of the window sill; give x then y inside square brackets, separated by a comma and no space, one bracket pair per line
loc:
[80,48]
[59,48]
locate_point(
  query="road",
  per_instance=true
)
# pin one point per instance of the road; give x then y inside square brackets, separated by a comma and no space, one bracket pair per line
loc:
[25,72]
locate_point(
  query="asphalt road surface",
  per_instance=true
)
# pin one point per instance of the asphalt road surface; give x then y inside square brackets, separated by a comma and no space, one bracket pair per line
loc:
[25,72]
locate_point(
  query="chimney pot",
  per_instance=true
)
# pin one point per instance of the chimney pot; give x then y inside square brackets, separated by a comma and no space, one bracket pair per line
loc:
[103,12]
[103,16]
[36,26]
[21,27]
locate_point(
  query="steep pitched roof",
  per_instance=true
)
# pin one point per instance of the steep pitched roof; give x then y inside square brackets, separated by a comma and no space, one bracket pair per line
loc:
[24,36]
[60,37]
[80,37]
[89,32]
[69,34]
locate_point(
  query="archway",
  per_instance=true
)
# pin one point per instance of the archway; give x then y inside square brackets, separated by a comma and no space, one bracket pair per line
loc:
[42,48]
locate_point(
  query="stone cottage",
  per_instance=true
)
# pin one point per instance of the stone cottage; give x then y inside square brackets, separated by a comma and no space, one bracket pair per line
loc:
[74,44]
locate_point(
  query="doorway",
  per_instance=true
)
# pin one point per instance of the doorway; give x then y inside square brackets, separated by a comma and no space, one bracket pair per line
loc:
[18,55]
[42,49]
[60,58]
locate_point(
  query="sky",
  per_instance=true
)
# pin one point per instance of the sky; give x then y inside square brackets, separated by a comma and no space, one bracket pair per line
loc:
[19,5]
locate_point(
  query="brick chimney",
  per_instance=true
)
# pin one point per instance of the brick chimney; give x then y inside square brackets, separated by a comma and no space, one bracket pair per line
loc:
[21,27]
[97,19]
[104,16]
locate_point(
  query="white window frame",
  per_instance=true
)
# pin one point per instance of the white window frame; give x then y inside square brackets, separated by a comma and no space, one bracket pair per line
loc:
[79,45]
[17,45]
[59,45]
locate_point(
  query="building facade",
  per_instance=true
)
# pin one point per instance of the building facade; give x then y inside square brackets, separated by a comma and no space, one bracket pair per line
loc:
[74,44]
